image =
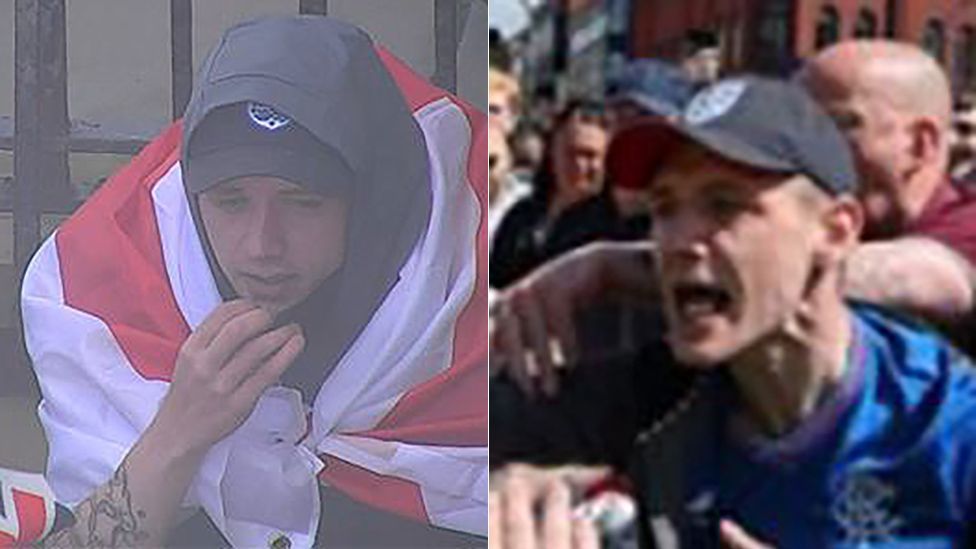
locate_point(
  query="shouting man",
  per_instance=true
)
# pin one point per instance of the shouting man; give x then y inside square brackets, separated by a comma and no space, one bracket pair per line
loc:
[773,411]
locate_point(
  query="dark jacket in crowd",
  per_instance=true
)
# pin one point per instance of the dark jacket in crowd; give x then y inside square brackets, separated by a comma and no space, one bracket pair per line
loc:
[525,240]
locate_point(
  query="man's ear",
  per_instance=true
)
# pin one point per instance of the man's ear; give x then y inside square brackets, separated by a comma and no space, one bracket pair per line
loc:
[927,141]
[843,221]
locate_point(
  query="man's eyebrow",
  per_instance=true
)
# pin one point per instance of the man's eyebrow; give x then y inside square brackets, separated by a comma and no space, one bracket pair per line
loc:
[299,192]
[227,188]
[845,116]
[725,185]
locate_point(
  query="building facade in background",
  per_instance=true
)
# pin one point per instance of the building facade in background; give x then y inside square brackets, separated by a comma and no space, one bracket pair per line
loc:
[567,47]
[573,48]
[774,36]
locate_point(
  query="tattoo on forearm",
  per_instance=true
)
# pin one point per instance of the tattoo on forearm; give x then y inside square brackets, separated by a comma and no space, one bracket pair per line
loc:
[106,519]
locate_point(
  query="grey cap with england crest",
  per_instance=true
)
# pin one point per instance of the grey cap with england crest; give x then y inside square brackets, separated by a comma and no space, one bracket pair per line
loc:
[767,124]
[311,100]
[301,98]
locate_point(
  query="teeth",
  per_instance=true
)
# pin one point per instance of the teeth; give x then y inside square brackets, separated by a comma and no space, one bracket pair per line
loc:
[694,308]
[695,301]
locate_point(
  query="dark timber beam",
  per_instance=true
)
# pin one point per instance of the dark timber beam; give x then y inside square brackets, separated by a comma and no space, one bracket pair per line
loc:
[41,177]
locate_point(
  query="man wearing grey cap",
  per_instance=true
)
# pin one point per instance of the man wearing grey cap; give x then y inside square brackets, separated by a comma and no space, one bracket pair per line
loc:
[276,312]
[772,411]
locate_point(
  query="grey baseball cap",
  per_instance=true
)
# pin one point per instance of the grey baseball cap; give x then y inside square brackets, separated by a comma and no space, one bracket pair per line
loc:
[312,100]
[301,97]
[762,123]
[250,138]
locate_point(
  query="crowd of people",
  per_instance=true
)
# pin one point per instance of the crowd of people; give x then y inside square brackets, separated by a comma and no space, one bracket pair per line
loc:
[745,303]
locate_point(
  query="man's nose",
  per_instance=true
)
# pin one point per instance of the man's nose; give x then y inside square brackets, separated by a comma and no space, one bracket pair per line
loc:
[683,234]
[588,167]
[266,236]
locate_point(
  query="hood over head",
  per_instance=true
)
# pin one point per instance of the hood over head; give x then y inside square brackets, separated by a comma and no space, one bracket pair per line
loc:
[307,99]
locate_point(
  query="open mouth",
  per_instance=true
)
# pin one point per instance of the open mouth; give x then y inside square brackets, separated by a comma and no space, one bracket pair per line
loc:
[696,300]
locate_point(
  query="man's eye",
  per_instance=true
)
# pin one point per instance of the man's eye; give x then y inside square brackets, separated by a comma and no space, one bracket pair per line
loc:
[309,203]
[847,121]
[230,203]
[724,206]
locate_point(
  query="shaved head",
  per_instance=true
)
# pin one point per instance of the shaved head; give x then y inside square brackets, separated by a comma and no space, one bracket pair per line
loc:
[893,103]
[902,75]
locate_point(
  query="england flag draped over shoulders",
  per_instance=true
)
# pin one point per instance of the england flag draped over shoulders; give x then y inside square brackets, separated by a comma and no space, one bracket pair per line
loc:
[401,422]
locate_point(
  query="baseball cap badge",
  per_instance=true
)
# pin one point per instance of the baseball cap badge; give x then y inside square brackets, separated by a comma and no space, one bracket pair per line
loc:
[714,101]
[266,117]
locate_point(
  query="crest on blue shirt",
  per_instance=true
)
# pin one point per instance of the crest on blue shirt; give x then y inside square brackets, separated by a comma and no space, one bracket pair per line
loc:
[864,509]
[266,117]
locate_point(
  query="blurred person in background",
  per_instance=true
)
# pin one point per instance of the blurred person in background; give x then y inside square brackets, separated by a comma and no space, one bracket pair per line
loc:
[499,162]
[648,86]
[499,52]
[701,57]
[503,99]
[963,161]
[894,105]
[528,147]
[504,190]
[546,223]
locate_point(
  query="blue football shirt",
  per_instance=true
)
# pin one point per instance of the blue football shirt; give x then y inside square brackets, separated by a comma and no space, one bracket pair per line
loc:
[889,460]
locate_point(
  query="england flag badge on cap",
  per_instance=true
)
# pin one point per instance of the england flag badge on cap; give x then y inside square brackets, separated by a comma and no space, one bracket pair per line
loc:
[266,117]
[714,101]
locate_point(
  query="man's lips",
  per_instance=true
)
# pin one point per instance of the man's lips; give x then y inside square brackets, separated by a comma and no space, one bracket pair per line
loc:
[697,300]
[268,280]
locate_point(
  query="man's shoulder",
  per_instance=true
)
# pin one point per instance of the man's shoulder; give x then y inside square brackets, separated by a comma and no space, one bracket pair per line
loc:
[120,217]
[108,261]
[919,408]
[950,218]
[910,339]
[918,364]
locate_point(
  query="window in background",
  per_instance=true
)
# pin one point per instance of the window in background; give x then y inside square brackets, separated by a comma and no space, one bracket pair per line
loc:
[828,27]
[866,25]
[933,39]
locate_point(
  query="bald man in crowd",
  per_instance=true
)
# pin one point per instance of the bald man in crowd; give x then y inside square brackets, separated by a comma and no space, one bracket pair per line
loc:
[893,104]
